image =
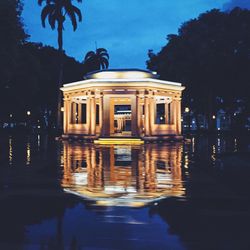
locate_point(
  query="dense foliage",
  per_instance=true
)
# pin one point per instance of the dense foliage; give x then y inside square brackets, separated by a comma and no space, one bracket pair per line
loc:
[29,72]
[210,55]
[13,35]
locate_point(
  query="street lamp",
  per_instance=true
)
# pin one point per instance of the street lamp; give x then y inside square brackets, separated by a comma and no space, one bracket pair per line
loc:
[187,110]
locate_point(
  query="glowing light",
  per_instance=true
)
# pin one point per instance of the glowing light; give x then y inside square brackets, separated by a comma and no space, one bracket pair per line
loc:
[161,118]
[38,141]
[62,109]
[214,117]
[94,82]
[28,154]
[187,109]
[28,112]
[11,115]
[110,141]
[10,151]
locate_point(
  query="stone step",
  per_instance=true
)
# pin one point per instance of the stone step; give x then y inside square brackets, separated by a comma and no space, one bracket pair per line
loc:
[120,141]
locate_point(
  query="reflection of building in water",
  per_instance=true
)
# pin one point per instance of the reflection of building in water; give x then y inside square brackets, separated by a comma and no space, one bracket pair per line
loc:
[123,174]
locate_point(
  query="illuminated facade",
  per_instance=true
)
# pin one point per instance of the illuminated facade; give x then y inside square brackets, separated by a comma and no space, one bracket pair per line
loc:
[124,103]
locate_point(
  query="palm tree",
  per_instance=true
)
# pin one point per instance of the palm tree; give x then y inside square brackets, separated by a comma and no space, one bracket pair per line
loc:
[55,11]
[96,60]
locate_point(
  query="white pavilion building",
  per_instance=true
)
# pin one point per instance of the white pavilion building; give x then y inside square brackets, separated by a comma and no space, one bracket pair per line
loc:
[124,104]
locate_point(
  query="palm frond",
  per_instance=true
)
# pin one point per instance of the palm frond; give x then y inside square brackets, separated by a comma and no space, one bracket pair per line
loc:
[90,54]
[52,20]
[100,50]
[104,63]
[78,12]
[47,11]
[72,11]
[104,54]
[72,17]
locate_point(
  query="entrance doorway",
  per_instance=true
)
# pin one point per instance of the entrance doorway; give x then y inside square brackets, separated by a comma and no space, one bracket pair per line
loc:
[122,117]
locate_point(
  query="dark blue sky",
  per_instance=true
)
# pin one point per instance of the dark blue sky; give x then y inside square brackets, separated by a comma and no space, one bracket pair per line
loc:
[126,28]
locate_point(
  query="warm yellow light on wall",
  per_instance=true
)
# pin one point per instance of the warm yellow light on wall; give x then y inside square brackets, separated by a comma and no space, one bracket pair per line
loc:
[119,141]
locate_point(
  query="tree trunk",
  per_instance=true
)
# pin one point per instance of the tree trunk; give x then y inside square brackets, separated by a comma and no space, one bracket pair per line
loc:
[60,79]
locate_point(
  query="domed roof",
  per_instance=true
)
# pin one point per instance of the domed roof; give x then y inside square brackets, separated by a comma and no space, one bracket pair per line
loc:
[121,74]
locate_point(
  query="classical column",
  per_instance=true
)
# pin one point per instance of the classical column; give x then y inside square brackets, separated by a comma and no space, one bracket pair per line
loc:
[166,112]
[111,116]
[139,115]
[134,117]
[146,116]
[88,115]
[93,114]
[151,114]
[66,116]
[106,116]
[73,112]
[101,112]
[79,113]
[174,114]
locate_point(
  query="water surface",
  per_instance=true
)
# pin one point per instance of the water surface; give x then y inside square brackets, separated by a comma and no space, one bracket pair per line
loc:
[65,195]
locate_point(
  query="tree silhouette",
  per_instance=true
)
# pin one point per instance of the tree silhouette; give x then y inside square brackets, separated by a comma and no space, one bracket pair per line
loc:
[210,56]
[96,60]
[55,11]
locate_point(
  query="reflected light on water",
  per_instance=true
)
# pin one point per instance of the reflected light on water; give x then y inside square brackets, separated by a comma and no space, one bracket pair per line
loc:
[38,141]
[193,144]
[213,155]
[123,175]
[10,151]
[28,154]
[235,145]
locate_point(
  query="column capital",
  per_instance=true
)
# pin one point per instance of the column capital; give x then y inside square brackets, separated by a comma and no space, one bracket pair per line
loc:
[177,99]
